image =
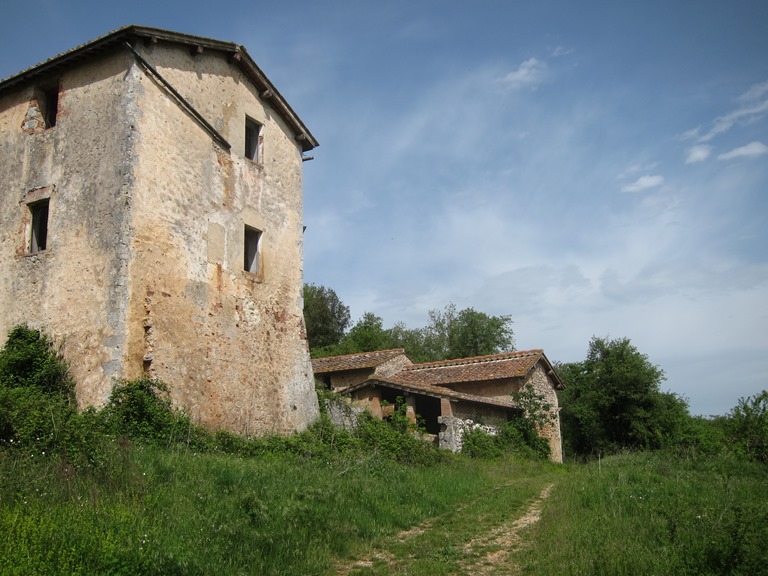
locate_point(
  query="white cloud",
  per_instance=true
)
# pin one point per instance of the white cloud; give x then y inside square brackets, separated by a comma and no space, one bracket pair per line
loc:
[750,150]
[561,51]
[644,183]
[698,153]
[753,107]
[635,168]
[532,72]
[755,92]
[746,114]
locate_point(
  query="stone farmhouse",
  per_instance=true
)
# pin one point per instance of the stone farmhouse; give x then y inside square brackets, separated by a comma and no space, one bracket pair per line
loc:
[450,396]
[151,222]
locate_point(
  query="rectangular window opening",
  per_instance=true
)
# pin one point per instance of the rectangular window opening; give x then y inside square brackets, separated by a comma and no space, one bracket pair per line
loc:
[252,139]
[38,241]
[50,105]
[252,249]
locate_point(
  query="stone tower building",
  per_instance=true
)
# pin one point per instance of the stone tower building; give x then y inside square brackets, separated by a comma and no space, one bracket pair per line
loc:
[151,222]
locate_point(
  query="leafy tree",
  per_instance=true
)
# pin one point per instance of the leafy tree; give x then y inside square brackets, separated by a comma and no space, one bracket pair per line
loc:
[368,334]
[325,315]
[451,334]
[749,426]
[474,333]
[612,401]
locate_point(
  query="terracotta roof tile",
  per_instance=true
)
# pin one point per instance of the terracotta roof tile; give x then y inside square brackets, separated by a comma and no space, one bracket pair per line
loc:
[475,369]
[357,361]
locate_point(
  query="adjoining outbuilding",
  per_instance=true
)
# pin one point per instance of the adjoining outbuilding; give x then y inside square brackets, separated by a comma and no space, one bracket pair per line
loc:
[450,396]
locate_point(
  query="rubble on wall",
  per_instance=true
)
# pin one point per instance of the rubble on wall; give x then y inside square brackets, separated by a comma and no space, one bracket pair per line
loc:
[452,431]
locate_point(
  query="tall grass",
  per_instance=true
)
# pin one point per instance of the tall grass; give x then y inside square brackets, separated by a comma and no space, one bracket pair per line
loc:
[161,511]
[654,513]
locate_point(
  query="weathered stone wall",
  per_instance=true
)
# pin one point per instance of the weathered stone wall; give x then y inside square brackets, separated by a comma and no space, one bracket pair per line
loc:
[229,341]
[543,385]
[350,378]
[342,413]
[144,266]
[453,429]
[76,289]
[490,389]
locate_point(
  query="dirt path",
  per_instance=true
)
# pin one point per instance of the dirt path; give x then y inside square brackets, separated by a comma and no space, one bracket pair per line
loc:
[489,554]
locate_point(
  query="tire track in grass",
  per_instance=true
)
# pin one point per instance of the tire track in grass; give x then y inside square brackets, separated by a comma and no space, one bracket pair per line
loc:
[487,554]
[491,553]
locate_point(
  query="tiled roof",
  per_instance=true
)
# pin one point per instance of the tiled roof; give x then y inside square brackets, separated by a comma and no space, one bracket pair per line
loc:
[475,369]
[357,361]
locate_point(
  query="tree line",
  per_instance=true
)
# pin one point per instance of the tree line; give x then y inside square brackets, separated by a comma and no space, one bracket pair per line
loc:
[450,333]
[612,400]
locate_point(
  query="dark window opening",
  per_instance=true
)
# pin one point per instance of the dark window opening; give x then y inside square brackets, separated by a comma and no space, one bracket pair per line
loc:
[251,250]
[252,137]
[50,105]
[39,237]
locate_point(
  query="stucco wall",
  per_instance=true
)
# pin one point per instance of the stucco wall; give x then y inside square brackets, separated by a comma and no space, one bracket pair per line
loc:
[144,268]
[229,341]
[76,289]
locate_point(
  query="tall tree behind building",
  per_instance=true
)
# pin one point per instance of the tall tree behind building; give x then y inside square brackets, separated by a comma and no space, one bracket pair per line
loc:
[325,315]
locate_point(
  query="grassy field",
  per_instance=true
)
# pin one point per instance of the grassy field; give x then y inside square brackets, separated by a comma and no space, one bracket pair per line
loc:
[158,511]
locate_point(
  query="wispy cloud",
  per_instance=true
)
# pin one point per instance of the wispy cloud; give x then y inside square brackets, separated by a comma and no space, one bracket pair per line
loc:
[644,183]
[698,153]
[631,170]
[532,72]
[750,150]
[755,92]
[754,105]
[561,51]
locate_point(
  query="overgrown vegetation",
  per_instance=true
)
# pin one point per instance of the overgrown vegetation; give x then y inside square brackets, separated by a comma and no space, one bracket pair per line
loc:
[654,513]
[612,402]
[137,488]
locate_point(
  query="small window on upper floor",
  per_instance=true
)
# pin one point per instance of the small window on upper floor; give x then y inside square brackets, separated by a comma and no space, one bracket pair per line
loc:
[252,140]
[48,101]
[252,250]
[38,239]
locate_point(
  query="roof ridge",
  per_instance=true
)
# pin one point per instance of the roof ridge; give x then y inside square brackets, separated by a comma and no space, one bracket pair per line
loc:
[474,359]
[362,354]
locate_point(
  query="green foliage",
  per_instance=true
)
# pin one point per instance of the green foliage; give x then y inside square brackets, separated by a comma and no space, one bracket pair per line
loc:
[462,334]
[449,334]
[29,360]
[654,513]
[474,333]
[749,426]
[517,437]
[536,410]
[38,414]
[325,316]
[612,402]
[140,409]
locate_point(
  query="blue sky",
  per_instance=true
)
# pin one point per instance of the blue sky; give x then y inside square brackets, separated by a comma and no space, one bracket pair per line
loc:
[590,168]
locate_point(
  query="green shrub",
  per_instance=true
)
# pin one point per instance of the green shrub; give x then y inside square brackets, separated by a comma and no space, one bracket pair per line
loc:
[477,443]
[517,437]
[749,426]
[37,406]
[141,410]
[29,360]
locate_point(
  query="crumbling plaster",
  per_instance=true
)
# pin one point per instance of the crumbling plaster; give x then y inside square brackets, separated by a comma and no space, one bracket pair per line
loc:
[144,271]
